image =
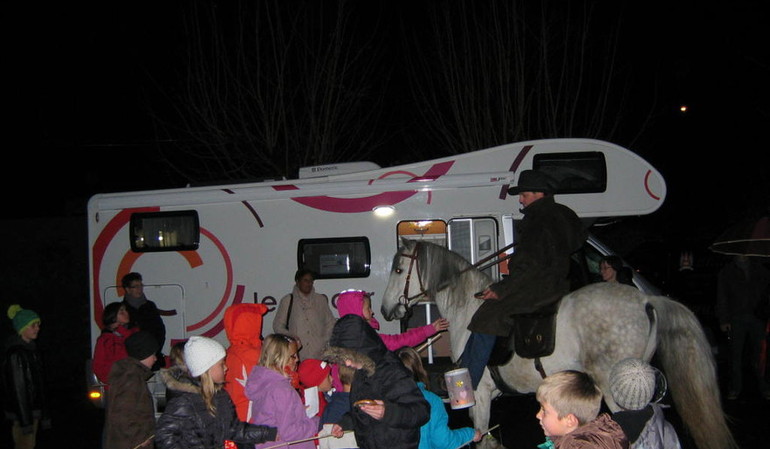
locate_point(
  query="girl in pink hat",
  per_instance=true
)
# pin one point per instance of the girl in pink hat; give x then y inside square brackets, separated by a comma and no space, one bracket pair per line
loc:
[358,302]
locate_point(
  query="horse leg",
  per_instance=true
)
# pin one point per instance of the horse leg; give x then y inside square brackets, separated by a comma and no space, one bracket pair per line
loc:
[480,413]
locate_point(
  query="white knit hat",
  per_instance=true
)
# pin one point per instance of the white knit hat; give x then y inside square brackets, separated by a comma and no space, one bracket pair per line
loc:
[632,384]
[201,353]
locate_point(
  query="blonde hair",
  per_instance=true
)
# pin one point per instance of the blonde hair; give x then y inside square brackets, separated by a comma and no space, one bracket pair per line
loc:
[346,373]
[277,351]
[208,390]
[412,361]
[177,355]
[572,392]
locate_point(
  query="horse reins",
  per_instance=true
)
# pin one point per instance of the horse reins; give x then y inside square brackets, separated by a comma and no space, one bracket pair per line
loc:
[414,261]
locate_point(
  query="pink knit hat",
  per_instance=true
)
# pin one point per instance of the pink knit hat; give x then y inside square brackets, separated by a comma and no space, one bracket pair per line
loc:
[351,302]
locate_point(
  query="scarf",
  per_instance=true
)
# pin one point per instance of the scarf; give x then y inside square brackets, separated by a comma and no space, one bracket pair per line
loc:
[136,302]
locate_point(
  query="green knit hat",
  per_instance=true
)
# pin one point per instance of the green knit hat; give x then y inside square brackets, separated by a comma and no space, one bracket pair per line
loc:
[22,318]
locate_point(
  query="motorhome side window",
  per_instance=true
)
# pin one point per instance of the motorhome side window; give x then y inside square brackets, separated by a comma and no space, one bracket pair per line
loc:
[165,231]
[335,258]
[584,172]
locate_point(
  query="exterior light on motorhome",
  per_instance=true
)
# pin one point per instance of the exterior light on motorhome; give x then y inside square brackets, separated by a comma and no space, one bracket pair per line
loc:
[383,211]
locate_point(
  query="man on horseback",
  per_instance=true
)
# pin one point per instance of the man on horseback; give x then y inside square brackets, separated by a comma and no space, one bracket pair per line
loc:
[538,271]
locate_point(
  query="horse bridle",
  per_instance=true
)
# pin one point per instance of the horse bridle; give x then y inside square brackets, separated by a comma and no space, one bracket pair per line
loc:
[414,262]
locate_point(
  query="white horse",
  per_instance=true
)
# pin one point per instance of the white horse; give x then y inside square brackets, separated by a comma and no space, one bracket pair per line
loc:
[596,326]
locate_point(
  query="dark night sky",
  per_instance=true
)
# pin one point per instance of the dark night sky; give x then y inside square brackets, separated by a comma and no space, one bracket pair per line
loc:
[81,74]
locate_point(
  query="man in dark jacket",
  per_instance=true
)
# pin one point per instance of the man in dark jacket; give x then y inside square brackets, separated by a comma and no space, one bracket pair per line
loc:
[143,313]
[398,408]
[538,271]
[742,292]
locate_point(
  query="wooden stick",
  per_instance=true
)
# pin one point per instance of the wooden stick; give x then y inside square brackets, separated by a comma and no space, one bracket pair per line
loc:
[428,343]
[144,442]
[482,433]
[302,440]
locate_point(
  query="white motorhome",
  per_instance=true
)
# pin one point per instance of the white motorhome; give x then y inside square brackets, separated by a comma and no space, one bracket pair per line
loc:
[202,249]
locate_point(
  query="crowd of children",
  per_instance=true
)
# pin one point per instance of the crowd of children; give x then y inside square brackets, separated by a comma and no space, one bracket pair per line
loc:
[367,390]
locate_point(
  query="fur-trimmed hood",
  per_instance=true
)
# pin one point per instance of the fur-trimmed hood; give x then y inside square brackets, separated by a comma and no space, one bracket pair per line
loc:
[178,379]
[338,355]
[353,338]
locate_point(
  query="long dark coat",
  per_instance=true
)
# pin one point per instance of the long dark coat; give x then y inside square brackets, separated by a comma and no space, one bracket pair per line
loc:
[538,272]
[383,377]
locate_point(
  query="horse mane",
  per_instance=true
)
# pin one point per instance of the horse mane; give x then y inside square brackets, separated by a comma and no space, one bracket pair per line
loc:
[441,268]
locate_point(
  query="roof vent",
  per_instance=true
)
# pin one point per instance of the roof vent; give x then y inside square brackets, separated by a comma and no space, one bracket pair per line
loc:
[342,168]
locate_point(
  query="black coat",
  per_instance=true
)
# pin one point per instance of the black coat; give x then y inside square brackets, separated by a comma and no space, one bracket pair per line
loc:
[538,272]
[383,377]
[187,424]
[23,386]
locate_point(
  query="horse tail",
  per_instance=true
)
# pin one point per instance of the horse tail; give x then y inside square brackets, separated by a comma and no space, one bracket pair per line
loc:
[686,358]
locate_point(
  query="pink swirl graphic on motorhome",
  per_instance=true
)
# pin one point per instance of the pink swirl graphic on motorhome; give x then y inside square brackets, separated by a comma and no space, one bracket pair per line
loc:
[366,204]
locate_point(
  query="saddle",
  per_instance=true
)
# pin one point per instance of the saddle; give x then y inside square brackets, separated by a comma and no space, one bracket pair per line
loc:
[533,335]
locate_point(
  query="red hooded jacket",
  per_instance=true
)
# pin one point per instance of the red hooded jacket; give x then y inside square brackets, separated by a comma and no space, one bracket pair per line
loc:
[243,325]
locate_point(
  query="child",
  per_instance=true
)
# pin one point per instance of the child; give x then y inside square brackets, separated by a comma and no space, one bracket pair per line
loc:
[110,346]
[339,402]
[130,415]
[338,406]
[175,373]
[435,434]
[388,408]
[274,399]
[569,405]
[632,384]
[24,398]
[316,380]
[202,416]
[243,325]
[357,302]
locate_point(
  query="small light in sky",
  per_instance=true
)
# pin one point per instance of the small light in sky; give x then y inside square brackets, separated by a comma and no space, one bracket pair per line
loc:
[683,108]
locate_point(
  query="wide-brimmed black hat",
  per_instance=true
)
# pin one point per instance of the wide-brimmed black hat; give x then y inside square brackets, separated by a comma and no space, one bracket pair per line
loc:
[533,181]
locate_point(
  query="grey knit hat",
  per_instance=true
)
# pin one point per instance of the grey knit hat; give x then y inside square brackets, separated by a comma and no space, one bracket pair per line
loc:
[632,383]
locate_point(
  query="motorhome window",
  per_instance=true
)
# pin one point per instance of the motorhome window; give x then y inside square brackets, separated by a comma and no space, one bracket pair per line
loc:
[584,172]
[434,231]
[164,231]
[335,258]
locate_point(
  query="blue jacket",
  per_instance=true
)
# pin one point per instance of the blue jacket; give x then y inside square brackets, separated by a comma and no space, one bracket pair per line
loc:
[338,405]
[436,434]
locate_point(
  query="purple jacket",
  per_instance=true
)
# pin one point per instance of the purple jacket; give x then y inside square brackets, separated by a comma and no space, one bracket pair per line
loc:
[276,404]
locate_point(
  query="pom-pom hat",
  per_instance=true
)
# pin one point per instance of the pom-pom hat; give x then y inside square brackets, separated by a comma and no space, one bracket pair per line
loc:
[201,353]
[632,383]
[312,372]
[22,318]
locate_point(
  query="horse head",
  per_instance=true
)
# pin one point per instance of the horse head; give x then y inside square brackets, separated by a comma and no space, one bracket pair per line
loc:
[423,270]
[405,283]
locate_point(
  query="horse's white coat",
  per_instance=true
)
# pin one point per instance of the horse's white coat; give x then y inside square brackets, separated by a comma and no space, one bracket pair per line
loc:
[597,326]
